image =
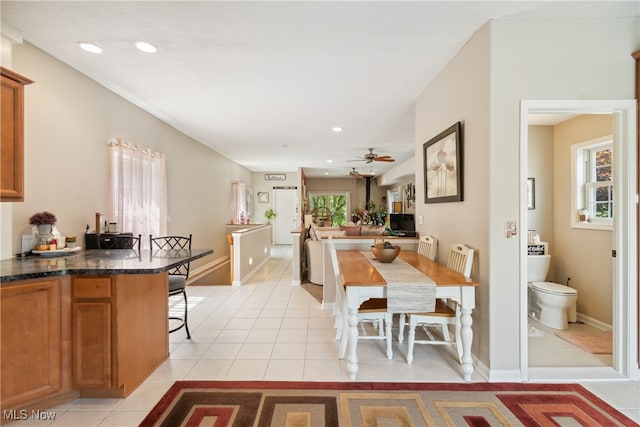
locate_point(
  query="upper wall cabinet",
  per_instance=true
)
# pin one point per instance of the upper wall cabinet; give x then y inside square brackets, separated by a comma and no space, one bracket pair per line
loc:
[12,126]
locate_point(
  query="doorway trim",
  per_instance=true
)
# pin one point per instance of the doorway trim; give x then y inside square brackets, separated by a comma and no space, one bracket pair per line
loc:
[625,292]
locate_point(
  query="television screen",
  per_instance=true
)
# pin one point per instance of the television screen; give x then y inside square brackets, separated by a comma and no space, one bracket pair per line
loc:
[402,222]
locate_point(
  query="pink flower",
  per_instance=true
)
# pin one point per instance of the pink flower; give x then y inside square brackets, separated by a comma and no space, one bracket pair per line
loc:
[42,218]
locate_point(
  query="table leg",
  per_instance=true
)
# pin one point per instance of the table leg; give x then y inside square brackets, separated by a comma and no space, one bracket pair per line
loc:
[388,322]
[353,343]
[466,334]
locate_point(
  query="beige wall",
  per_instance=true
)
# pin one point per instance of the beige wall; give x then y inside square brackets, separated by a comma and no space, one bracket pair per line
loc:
[401,185]
[352,185]
[581,254]
[505,62]
[540,167]
[68,119]
[260,184]
[461,93]
[539,59]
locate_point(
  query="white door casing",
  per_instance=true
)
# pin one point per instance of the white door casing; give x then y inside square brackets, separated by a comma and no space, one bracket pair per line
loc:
[625,312]
[285,202]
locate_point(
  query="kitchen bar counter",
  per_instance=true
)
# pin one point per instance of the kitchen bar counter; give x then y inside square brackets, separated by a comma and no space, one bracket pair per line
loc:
[96,261]
[92,323]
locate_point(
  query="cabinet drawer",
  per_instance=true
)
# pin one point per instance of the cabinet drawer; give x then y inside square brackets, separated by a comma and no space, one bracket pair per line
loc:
[94,287]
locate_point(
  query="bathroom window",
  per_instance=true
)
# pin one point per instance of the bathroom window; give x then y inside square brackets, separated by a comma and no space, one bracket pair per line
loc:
[593,184]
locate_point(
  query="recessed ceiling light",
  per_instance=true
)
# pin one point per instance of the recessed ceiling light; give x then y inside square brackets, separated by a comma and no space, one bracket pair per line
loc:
[336,129]
[90,47]
[326,173]
[146,47]
[329,161]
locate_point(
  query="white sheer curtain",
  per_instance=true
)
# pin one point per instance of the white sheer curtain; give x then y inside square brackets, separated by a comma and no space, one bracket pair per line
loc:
[239,212]
[138,182]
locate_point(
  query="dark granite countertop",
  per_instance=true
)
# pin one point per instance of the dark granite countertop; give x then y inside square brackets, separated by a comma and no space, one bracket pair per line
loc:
[97,261]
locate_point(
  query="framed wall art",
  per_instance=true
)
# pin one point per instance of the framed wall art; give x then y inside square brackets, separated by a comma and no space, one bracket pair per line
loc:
[443,166]
[263,197]
[275,176]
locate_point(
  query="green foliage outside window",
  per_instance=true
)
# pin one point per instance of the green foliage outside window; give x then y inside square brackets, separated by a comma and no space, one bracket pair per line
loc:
[335,203]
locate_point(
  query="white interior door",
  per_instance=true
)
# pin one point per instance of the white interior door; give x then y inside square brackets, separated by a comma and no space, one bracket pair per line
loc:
[285,202]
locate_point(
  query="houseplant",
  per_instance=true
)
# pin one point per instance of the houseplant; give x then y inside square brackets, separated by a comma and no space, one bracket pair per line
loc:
[270,214]
[43,218]
[44,221]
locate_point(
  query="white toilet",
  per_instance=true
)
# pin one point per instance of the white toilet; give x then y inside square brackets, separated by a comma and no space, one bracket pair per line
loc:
[549,303]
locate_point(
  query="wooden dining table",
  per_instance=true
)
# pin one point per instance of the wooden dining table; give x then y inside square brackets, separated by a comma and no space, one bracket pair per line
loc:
[362,281]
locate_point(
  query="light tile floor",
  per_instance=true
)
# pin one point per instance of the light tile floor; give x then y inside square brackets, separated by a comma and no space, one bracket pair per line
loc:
[548,350]
[270,330]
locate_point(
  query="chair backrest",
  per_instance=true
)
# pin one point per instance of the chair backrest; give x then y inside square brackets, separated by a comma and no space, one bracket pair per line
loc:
[119,241]
[334,261]
[460,259]
[172,246]
[428,246]
[339,284]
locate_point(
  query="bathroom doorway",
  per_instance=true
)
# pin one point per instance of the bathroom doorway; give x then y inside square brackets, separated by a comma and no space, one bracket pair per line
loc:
[620,271]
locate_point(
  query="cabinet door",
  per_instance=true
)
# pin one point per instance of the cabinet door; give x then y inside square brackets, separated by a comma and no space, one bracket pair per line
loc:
[91,328]
[12,142]
[30,323]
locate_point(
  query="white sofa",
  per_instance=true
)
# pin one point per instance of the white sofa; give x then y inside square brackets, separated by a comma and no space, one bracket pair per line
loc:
[314,249]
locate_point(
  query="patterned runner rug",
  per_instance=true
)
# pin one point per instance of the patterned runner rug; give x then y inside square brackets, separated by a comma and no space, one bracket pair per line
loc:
[300,404]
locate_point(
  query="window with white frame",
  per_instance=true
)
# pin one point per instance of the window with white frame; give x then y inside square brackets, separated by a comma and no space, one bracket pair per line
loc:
[593,183]
[332,207]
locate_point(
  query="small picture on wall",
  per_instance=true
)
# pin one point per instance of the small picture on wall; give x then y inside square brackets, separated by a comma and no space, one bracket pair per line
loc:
[263,197]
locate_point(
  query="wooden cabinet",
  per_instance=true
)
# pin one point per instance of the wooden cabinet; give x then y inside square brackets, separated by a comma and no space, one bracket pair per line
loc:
[91,330]
[120,331]
[35,341]
[12,127]
[86,335]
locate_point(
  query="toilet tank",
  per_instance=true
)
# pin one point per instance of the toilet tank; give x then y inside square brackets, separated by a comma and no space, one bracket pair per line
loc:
[537,267]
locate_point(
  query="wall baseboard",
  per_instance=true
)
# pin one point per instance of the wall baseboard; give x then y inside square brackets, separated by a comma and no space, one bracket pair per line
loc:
[594,322]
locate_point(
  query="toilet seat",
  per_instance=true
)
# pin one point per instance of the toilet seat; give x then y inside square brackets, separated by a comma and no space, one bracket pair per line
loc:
[553,288]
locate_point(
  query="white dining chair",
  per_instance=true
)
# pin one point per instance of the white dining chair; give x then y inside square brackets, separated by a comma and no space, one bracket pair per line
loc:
[373,311]
[427,246]
[446,312]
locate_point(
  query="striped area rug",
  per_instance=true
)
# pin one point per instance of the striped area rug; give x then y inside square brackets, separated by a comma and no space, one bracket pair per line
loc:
[300,404]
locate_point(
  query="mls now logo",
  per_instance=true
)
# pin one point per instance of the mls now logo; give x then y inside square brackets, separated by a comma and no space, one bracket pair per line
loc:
[23,414]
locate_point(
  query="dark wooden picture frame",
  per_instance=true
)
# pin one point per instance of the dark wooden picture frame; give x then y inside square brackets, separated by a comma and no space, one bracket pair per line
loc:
[443,164]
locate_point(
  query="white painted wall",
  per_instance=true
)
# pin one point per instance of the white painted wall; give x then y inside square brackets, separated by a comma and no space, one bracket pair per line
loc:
[68,119]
